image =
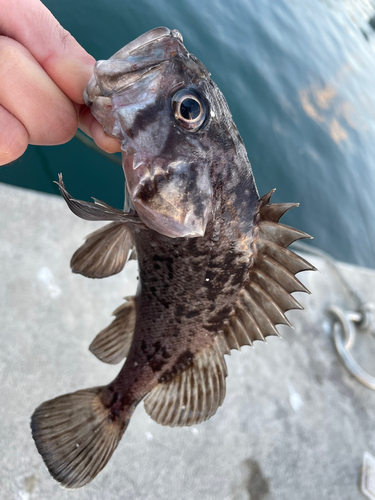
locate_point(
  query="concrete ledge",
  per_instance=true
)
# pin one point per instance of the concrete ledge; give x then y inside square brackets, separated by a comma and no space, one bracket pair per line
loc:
[294,425]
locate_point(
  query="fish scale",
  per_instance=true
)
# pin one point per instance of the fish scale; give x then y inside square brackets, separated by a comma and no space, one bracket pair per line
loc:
[214,269]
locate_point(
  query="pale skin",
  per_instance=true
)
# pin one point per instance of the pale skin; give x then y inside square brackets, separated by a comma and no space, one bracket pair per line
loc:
[43,72]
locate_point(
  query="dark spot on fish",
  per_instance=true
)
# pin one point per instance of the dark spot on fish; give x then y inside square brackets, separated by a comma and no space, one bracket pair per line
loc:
[148,115]
[185,358]
[165,353]
[216,321]
[196,266]
[210,275]
[157,266]
[146,192]
[114,398]
[180,310]
[114,414]
[182,362]
[143,345]
[192,314]
[157,346]
[129,132]
[157,363]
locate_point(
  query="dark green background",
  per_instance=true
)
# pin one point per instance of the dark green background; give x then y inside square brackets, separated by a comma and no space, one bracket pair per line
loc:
[299,78]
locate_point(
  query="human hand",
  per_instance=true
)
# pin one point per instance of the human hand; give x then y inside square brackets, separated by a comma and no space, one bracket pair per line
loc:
[43,72]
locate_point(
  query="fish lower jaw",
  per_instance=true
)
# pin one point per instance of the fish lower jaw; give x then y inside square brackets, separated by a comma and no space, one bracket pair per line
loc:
[169,222]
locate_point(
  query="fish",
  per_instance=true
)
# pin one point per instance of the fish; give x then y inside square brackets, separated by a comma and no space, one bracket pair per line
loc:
[215,270]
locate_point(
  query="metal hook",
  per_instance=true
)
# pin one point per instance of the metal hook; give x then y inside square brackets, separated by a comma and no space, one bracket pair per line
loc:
[346,341]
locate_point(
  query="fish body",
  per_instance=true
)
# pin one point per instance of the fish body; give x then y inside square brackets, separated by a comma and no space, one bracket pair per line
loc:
[214,269]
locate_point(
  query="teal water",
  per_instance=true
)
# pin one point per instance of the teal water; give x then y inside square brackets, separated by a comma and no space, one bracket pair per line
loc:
[299,79]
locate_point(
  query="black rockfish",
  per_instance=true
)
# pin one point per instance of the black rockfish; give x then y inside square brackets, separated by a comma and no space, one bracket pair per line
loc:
[215,272]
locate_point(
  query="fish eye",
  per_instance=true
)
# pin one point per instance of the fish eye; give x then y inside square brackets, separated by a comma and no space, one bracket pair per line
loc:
[189,109]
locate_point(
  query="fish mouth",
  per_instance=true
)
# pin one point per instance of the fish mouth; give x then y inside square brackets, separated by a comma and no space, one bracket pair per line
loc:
[174,199]
[133,61]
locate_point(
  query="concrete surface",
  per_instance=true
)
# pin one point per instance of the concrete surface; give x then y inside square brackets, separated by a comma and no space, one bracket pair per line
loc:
[294,425]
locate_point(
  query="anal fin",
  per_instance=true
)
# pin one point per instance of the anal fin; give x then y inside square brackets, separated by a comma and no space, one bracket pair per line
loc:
[112,344]
[193,395]
[104,252]
[76,435]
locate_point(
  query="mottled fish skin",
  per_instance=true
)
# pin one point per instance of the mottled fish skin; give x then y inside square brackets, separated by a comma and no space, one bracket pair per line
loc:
[215,272]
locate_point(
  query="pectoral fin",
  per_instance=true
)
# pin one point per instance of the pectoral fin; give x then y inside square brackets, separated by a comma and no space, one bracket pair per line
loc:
[195,394]
[112,344]
[104,253]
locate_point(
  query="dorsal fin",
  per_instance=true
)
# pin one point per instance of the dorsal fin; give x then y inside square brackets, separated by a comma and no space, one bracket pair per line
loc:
[112,344]
[266,295]
[104,252]
[193,395]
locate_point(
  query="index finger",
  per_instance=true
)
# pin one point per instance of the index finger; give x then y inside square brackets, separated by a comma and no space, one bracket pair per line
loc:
[55,49]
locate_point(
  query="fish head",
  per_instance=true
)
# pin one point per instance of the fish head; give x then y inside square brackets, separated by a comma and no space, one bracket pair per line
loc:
[155,98]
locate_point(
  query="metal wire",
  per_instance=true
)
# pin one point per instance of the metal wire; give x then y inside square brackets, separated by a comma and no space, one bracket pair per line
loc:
[345,322]
[91,144]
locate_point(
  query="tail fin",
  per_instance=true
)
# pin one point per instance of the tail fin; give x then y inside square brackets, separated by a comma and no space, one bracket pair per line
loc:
[77,433]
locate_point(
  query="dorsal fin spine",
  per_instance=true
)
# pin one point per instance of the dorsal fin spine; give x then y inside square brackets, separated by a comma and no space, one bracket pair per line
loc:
[259,307]
[274,266]
[239,331]
[248,321]
[273,212]
[266,293]
[292,302]
[293,259]
[282,319]
[245,299]
[280,233]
